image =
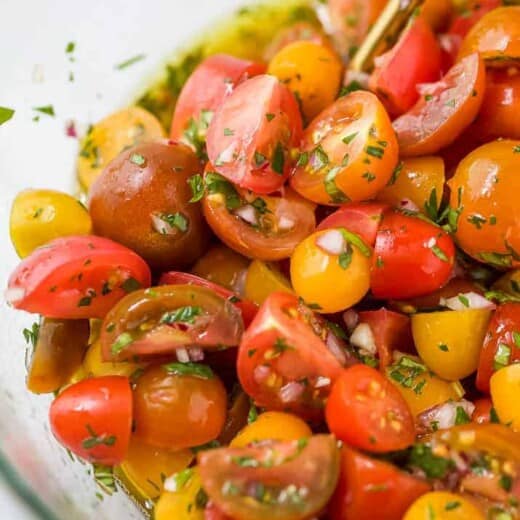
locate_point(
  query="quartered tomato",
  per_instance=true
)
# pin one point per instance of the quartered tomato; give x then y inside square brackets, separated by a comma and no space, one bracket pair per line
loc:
[76,277]
[415,59]
[250,143]
[411,257]
[366,411]
[267,481]
[444,109]
[163,319]
[207,87]
[93,418]
[472,12]
[288,358]
[482,194]
[258,226]
[501,343]
[371,489]
[348,151]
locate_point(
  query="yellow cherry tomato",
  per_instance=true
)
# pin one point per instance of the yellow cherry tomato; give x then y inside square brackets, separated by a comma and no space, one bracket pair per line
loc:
[145,467]
[272,426]
[441,505]
[415,180]
[334,282]
[223,266]
[38,216]
[449,342]
[420,388]
[312,71]
[505,387]
[110,136]
[262,279]
[184,503]
[93,364]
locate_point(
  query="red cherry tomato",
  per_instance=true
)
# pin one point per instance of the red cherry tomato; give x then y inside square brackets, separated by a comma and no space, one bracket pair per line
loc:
[391,331]
[76,277]
[247,308]
[444,109]
[473,12]
[93,419]
[370,489]
[483,411]
[248,142]
[500,344]
[362,218]
[411,257]
[283,360]
[211,82]
[367,411]
[415,59]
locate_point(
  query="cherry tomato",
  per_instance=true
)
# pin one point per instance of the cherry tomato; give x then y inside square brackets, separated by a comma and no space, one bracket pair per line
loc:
[501,343]
[361,218]
[503,384]
[441,504]
[283,360]
[143,200]
[444,109]
[267,481]
[369,488]
[58,353]
[482,194]
[473,11]
[76,277]
[166,318]
[263,279]
[348,151]
[93,418]
[437,13]
[411,257]
[95,365]
[207,87]
[484,412]
[331,269]
[415,59]
[260,227]
[190,393]
[250,143]
[38,216]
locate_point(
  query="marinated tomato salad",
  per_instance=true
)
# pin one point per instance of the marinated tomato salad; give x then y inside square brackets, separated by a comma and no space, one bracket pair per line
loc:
[293,291]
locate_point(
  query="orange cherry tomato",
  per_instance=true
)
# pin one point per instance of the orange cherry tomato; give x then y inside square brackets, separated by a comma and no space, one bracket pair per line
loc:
[437,13]
[444,110]
[483,193]
[472,12]
[348,152]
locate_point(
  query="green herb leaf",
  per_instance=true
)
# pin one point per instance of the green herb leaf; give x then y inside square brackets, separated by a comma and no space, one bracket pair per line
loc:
[349,138]
[121,342]
[215,183]
[270,117]
[31,335]
[189,369]
[131,285]
[47,110]
[356,241]
[177,220]
[182,315]
[138,159]
[181,478]
[345,259]
[502,356]
[351,87]
[461,417]
[196,184]
[259,159]
[252,415]
[395,174]
[439,253]
[278,159]
[443,347]
[303,159]
[422,457]
[319,158]
[5,114]
[375,151]
[130,61]
[71,46]
[336,195]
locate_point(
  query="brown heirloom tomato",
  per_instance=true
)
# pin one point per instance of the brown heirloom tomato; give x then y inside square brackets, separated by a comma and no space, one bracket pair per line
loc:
[142,200]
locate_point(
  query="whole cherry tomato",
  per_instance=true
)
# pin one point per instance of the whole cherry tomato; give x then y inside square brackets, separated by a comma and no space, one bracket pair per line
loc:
[437,503]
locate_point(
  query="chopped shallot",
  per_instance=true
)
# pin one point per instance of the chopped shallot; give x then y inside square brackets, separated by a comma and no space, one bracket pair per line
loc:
[332,242]
[443,415]
[351,319]
[363,338]
[247,213]
[469,300]
[291,391]
[14,295]
[182,355]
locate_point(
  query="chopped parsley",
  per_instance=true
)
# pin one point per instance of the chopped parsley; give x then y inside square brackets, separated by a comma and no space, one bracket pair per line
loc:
[182,315]
[47,110]
[104,477]
[357,241]
[278,159]
[461,417]
[252,415]
[31,335]
[196,184]
[130,61]
[5,114]
[395,174]
[434,467]
[319,158]
[477,221]
[281,345]
[137,159]
[370,177]
[345,259]
[349,138]
[70,48]
[270,117]
[97,440]
[130,285]
[450,506]
[176,220]
[375,151]
[443,347]
[439,253]
[303,159]
[121,342]
[336,195]
[189,369]
[502,356]
[351,87]
[215,183]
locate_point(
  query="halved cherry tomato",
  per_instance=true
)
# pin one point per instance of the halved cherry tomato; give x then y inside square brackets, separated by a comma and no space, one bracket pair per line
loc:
[443,505]
[260,227]
[267,481]
[207,87]
[369,488]
[482,194]
[283,360]
[484,411]
[501,344]
[348,151]
[76,277]
[250,143]
[411,257]
[263,279]
[444,109]
[366,411]
[190,393]
[415,59]
[473,11]
[93,418]
[163,319]
[362,218]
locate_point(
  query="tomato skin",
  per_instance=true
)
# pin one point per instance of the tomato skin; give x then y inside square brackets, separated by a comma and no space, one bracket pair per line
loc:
[367,412]
[212,512]
[504,324]
[207,87]
[483,411]
[436,503]
[248,147]
[65,278]
[444,110]
[503,384]
[93,418]
[263,279]
[370,489]
[262,371]
[462,23]
[406,244]
[362,218]
[415,59]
